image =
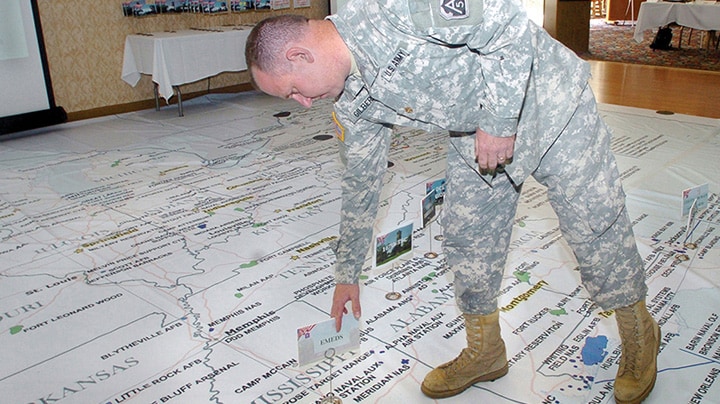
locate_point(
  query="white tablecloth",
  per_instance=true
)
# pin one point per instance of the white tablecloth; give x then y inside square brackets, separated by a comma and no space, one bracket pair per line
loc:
[175,58]
[703,15]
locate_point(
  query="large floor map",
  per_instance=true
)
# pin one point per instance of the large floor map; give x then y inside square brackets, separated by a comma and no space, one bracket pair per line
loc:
[148,258]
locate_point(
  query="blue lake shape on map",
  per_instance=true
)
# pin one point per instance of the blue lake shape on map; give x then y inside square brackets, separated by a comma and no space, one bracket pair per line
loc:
[594,350]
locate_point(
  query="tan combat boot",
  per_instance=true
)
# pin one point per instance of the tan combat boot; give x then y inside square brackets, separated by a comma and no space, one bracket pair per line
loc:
[640,338]
[483,360]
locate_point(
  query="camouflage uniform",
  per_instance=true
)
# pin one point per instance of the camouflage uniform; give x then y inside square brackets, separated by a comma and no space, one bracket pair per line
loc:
[430,65]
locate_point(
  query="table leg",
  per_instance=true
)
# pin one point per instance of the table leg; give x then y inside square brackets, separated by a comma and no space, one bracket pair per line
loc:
[179,95]
[709,39]
[157,96]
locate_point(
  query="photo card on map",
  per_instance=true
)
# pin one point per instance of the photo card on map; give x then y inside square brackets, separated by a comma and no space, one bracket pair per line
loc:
[393,244]
[434,196]
[438,186]
[695,199]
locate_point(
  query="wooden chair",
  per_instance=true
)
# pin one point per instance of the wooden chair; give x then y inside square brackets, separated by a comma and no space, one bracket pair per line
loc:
[709,38]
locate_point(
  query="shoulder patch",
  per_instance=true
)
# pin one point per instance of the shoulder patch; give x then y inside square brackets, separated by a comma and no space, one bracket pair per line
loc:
[453,9]
[439,14]
[339,129]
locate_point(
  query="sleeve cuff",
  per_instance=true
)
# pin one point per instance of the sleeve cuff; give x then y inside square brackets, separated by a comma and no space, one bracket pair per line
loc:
[501,127]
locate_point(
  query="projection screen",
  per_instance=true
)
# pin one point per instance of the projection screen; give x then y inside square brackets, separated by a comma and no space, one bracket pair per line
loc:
[26,98]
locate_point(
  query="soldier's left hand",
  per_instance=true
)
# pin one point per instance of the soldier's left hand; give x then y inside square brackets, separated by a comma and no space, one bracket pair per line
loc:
[492,152]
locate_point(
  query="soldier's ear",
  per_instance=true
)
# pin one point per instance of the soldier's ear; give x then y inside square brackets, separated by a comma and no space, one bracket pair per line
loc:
[299,54]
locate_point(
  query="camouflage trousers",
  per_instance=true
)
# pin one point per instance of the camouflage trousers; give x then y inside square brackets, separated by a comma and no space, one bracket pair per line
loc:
[584,190]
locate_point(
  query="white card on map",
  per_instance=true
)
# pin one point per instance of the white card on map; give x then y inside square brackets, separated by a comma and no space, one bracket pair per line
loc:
[427,208]
[320,340]
[697,196]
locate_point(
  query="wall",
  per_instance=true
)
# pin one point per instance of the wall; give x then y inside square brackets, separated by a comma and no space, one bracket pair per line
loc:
[84,41]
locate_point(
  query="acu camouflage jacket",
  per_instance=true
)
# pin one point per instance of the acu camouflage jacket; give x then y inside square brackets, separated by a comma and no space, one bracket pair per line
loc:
[443,64]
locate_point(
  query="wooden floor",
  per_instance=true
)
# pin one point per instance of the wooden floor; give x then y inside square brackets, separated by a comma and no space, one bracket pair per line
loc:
[683,91]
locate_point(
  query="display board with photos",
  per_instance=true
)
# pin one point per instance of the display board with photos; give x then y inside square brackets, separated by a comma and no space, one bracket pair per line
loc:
[141,8]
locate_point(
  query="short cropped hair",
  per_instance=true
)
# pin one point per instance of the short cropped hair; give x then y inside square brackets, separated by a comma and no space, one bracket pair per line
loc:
[268,40]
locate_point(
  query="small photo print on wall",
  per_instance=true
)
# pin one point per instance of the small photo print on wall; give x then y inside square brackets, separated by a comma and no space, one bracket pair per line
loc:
[173,6]
[194,6]
[138,8]
[214,7]
[280,4]
[239,6]
[262,4]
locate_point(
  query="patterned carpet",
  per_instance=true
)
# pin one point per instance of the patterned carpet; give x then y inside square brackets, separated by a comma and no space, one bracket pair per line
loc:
[615,43]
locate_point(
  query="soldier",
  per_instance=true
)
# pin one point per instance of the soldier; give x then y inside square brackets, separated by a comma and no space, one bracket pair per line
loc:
[516,103]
